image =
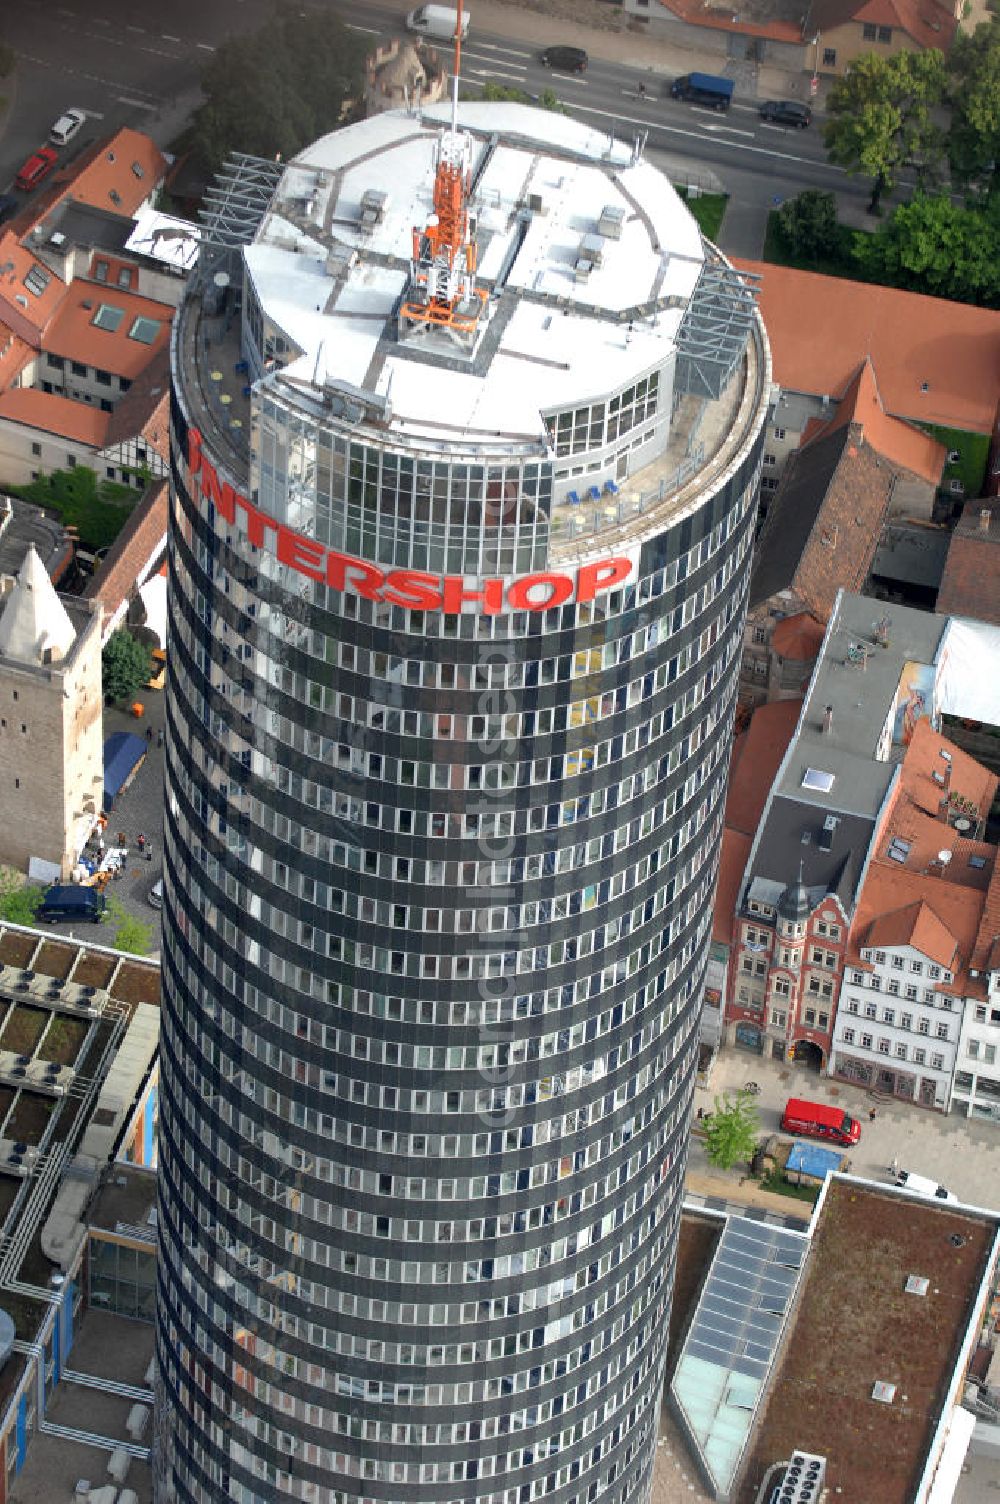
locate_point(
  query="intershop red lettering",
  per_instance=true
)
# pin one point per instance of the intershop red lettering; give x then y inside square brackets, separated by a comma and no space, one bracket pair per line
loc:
[412,588]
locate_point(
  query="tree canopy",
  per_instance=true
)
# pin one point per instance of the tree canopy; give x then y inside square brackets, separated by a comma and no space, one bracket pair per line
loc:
[126,665]
[935,246]
[974,95]
[272,92]
[18,900]
[132,935]
[880,118]
[808,223]
[731,1131]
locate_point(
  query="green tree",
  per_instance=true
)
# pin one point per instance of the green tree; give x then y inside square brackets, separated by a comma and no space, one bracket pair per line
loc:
[808,224]
[272,92]
[126,665]
[132,935]
[974,93]
[18,900]
[731,1131]
[880,118]
[546,100]
[932,245]
[97,509]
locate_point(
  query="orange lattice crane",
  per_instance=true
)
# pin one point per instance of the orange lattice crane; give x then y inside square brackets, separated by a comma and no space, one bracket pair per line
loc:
[443,291]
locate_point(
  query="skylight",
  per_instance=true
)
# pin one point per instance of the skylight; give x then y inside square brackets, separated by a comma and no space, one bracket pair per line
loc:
[144,330]
[977,861]
[37,280]
[816,779]
[108,317]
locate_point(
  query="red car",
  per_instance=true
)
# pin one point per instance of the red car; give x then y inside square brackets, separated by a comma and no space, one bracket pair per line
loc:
[37,167]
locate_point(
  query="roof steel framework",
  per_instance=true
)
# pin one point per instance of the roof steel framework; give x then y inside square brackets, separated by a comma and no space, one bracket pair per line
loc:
[716,326]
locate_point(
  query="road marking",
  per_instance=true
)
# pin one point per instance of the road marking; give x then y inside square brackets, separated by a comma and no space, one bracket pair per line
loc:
[371,31]
[204,47]
[731,129]
[510,51]
[137,104]
[676,130]
[140,29]
[497,73]
[568,78]
[165,38]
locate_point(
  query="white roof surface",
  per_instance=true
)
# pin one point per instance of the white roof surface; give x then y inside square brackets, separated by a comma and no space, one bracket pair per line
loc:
[34,619]
[551,354]
[165,238]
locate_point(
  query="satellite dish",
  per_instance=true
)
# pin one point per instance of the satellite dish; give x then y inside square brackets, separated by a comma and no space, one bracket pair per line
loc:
[944,857]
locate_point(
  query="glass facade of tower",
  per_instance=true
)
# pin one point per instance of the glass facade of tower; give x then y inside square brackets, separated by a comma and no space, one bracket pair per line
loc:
[436,908]
[437,899]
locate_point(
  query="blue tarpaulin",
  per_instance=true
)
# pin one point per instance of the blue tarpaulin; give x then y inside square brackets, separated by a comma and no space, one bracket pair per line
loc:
[813,1160]
[123,752]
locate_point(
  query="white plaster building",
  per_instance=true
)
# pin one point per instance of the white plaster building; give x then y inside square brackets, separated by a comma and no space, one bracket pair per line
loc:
[899,1021]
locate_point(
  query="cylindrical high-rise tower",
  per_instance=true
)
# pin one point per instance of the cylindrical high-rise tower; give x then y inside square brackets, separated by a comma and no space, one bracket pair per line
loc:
[455,625]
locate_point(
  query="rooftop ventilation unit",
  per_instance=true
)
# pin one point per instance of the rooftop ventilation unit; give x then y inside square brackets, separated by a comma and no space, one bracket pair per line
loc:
[803,1480]
[591,255]
[825,841]
[611,222]
[883,1392]
[57,239]
[373,206]
[340,259]
[536,203]
[916,1284]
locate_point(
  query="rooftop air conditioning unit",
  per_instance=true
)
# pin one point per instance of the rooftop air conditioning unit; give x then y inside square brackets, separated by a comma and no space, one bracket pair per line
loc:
[803,1481]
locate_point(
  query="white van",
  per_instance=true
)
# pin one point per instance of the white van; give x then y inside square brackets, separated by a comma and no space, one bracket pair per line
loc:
[924,1187]
[437,21]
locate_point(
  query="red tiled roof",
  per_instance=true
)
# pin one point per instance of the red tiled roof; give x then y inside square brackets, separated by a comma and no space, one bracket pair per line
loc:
[821,328]
[968,777]
[986,955]
[824,522]
[732,865]
[53,414]
[118,175]
[24,311]
[970,585]
[74,335]
[954,916]
[897,441]
[145,409]
[764,744]
[915,925]
[798,637]
[926,22]
[131,550]
[728,18]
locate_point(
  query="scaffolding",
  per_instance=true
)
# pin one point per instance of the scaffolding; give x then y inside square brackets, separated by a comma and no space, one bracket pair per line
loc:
[715,328]
[235,205]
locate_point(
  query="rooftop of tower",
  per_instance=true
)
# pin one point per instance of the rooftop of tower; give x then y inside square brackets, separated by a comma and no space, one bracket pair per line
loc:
[587,253]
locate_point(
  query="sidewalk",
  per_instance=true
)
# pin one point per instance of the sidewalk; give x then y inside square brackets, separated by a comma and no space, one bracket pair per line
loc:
[961,1153]
[604,32]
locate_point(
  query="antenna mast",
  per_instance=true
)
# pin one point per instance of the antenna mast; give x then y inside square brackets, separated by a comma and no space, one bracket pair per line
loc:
[443,292]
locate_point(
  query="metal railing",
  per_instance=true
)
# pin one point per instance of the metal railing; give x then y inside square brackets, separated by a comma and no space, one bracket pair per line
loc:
[580,520]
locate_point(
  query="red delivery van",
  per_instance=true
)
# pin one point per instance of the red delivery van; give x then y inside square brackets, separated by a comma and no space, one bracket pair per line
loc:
[816,1121]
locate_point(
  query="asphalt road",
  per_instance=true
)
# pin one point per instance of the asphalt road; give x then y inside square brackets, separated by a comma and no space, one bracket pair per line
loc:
[135,62]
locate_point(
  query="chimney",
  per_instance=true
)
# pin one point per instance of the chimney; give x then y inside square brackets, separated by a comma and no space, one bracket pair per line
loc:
[828,720]
[985,517]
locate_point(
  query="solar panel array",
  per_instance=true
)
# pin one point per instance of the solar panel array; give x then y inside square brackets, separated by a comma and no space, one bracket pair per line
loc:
[746,1296]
